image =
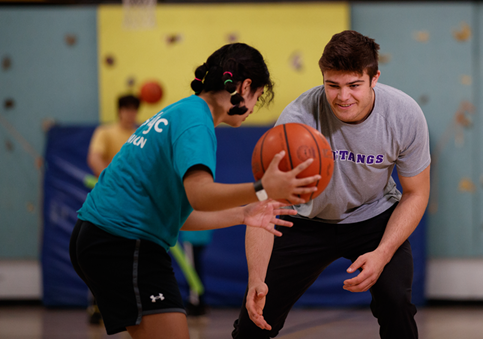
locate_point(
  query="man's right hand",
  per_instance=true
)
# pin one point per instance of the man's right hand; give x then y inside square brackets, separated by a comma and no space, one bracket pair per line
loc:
[256,297]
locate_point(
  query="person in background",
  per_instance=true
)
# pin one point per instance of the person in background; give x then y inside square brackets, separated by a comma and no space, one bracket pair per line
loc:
[195,244]
[108,139]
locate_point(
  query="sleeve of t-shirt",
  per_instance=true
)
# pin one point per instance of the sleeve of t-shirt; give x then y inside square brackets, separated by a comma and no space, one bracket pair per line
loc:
[195,146]
[98,141]
[301,110]
[414,154]
[291,113]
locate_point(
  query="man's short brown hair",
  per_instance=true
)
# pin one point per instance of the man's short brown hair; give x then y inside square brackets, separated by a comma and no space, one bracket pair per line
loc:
[350,51]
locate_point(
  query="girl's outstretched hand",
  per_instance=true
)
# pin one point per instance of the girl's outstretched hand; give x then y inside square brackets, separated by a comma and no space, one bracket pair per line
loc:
[264,214]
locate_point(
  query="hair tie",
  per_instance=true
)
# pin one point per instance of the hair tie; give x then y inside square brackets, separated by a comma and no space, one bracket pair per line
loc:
[198,79]
[232,94]
[227,80]
[228,73]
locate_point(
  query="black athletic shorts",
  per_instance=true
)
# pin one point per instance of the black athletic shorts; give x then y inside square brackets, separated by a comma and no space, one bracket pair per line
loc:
[129,278]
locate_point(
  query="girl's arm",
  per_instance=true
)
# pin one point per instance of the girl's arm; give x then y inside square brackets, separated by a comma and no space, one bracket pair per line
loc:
[206,195]
[261,215]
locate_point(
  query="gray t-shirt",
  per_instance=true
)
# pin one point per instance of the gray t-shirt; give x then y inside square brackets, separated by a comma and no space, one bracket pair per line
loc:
[395,133]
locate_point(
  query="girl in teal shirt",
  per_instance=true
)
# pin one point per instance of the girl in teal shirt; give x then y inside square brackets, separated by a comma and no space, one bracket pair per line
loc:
[161,181]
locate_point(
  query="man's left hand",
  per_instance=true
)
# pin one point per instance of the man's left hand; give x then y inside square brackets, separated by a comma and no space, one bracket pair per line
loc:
[371,264]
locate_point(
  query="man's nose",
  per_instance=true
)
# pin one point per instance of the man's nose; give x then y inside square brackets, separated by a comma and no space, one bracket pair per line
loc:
[343,94]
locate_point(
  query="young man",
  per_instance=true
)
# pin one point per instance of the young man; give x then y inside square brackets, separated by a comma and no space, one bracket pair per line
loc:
[108,139]
[361,215]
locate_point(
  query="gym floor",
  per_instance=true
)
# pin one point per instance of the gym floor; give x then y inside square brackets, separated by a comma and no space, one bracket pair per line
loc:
[436,321]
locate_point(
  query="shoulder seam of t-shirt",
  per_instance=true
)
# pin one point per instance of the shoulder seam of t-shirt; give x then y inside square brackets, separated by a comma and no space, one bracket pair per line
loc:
[417,171]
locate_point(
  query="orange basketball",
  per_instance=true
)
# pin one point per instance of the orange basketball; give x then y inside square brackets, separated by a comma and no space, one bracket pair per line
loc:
[300,143]
[151,92]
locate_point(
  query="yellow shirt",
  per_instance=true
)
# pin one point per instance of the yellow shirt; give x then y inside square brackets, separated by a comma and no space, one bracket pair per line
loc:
[108,140]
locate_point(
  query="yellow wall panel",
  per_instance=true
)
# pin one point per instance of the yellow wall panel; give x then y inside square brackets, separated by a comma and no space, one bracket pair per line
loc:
[291,37]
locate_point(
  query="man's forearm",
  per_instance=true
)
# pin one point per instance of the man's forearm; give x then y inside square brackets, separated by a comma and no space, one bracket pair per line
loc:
[258,248]
[407,214]
[403,222]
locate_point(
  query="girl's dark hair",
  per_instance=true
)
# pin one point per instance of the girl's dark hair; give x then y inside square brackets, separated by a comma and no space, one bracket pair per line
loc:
[229,66]
[352,52]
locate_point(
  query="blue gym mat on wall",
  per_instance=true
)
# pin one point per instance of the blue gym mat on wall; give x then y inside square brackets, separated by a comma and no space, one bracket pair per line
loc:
[224,259]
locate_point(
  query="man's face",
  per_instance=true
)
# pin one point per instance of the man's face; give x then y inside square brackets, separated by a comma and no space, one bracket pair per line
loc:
[350,95]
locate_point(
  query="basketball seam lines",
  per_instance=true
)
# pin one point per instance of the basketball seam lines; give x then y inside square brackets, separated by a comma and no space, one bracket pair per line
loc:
[288,152]
[261,154]
[288,146]
[320,157]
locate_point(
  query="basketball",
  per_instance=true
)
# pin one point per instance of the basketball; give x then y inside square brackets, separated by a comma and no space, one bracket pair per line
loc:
[151,92]
[300,143]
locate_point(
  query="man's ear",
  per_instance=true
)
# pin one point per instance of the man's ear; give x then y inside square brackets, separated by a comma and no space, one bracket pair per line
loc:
[375,78]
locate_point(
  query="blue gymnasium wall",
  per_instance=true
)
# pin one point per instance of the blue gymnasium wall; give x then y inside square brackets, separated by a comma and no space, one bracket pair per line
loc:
[432,51]
[50,79]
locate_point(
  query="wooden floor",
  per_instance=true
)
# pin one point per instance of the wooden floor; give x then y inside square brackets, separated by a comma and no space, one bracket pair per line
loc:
[435,322]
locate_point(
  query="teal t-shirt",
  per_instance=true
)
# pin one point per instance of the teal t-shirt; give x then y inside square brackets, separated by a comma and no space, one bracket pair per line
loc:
[140,195]
[197,238]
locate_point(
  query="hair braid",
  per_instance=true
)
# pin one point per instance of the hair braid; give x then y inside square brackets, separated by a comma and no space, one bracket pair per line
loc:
[197,83]
[231,76]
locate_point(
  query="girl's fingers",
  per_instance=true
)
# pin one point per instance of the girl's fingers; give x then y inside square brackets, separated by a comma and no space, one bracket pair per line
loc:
[308,180]
[302,166]
[274,231]
[305,190]
[281,222]
[277,158]
[284,211]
